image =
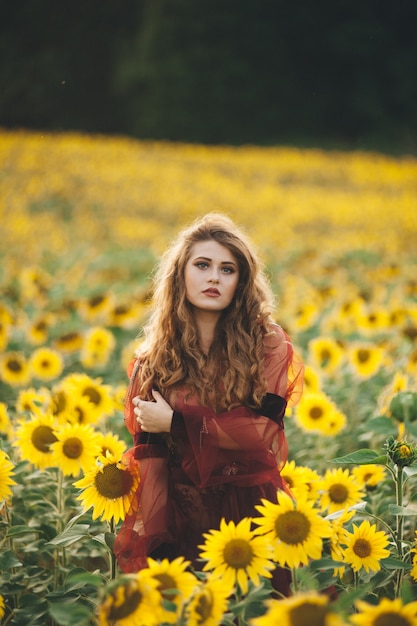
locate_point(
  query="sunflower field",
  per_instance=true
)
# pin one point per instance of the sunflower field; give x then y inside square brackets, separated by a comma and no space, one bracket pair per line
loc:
[83,222]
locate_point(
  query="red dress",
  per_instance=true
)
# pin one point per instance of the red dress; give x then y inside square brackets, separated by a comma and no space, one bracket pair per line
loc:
[211,466]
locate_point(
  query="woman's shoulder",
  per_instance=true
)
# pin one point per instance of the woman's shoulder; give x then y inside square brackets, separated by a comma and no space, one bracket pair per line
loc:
[276,340]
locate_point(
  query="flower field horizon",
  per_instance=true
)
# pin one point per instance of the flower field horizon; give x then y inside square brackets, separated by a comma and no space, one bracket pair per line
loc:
[84,220]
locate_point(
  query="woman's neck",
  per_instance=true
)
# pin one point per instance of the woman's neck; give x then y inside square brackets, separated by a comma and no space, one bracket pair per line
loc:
[206,327]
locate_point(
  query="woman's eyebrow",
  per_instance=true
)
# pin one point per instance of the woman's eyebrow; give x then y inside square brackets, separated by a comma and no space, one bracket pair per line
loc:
[207,258]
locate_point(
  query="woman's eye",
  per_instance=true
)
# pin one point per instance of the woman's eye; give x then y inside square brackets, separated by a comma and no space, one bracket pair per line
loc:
[227,270]
[202,265]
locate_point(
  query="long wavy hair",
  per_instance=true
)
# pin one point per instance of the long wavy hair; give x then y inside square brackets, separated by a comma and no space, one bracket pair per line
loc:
[171,357]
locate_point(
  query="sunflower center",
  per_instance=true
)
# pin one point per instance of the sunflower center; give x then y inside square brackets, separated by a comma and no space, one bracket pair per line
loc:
[308,613]
[73,448]
[14,365]
[45,364]
[316,412]
[325,355]
[96,301]
[338,493]
[363,355]
[362,548]
[42,437]
[127,607]
[203,607]
[113,482]
[391,619]
[238,553]
[166,582]
[292,527]
[92,394]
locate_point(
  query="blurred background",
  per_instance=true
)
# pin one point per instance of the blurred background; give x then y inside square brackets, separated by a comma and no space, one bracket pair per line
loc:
[265,72]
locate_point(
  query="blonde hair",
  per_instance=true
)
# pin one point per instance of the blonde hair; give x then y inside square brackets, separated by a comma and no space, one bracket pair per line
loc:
[232,373]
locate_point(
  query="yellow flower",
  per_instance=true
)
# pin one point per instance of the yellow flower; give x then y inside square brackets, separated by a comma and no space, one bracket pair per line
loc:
[175,585]
[93,389]
[208,604]
[365,547]
[340,490]
[76,448]
[317,413]
[34,439]
[301,480]
[46,364]
[369,475]
[312,380]
[111,444]
[5,425]
[365,359]
[69,342]
[98,345]
[109,488]
[338,536]
[236,555]
[4,334]
[133,600]
[79,410]
[31,399]
[96,307]
[305,316]
[389,612]
[14,369]
[326,353]
[2,607]
[295,529]
[302,609]
[6,472]
[38,332]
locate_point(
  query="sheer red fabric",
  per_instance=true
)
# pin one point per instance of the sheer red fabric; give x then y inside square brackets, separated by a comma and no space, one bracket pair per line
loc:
[211,466]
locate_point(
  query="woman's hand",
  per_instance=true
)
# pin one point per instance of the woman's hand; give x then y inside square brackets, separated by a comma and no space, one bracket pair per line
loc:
[153,417]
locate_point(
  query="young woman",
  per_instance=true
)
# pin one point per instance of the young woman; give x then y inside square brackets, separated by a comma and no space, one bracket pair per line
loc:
[207,396]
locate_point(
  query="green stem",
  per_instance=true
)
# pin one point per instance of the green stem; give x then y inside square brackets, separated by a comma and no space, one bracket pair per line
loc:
[113,562]
[399,486]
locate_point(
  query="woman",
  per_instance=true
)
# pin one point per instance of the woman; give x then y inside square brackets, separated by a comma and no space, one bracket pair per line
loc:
[207,396]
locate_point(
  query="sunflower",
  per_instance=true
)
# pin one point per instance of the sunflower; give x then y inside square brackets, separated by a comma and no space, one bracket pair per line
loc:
[340,490]
[392,612]
[111,444]
[5,425]
[373,320]
[76,448]
[316,413]
[132,600]
[127,316]
[69,342]
[4,335]
[338,537]
[38,332]
[208,603]
[175,585]
[97,348]
[365,547]
[6,472]
[109,488]
[305,316]
[96,307]
[34,283]
[30,399]
[46,364]
[80,410]
[301,480]
[14,369]
[326,353]
[98,394]
[365,360]
[294,528]
[312,380]
[34,439]
[303,609]
[369,475]
[2,607]
[236,554]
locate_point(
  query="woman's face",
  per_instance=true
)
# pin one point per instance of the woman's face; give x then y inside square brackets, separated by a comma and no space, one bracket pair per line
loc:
[211,276]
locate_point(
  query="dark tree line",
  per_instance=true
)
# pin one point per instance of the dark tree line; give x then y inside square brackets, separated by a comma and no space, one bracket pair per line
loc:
[215,71]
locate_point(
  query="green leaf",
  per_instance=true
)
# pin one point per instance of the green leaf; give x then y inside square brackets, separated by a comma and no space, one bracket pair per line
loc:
[394,509]
[365,456]
[392,563]
[14,531]
[70,536]
[71,614]
[8,560]
[80,578]
[324,564]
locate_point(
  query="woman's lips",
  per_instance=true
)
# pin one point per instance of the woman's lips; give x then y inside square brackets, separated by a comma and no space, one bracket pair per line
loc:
[211,292]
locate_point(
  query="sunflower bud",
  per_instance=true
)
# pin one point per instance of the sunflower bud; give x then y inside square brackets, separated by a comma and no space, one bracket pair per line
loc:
[401,452]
